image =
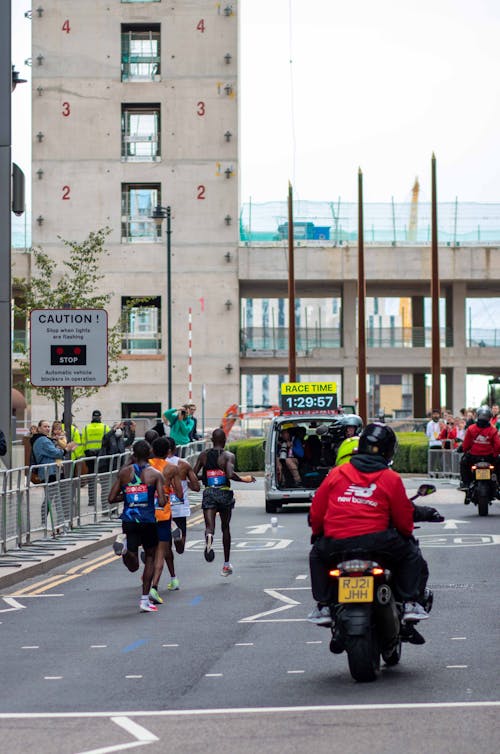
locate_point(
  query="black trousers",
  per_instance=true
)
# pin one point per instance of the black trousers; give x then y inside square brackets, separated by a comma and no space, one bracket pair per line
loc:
[401,555]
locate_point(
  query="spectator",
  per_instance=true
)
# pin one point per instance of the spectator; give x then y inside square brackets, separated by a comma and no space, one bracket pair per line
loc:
[193,435]
[46,453]
[181,424]
[92,437]
[432,431]
[3,444]
[495,419]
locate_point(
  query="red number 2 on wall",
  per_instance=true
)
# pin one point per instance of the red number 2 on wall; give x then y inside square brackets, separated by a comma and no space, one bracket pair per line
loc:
[201,192]
[65,193]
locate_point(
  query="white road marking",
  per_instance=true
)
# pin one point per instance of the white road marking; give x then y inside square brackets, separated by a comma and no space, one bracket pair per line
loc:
[244,711]
[242,545]
[35,596]
[143,737]
[245,644]
[14,605]
[457,666]
[98,646]
[458,638]
[52,677]
[133,676]
[314,642]
[31,646]
[290,672]
[170,645]
[301,577]
[213,675]
[272,593]
[451,523]
[452,540]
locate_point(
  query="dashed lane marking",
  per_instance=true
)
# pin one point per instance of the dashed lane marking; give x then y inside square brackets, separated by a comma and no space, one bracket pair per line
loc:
[52,677]
[98,646]
[213,675]
[133,676]
[170,645]
[450,667]
[292,672]
[314,642]
[244,644]
[32,646]
[458,638]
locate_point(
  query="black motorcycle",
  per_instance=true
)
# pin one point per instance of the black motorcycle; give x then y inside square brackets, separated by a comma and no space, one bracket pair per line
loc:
[484,486]
[366,613]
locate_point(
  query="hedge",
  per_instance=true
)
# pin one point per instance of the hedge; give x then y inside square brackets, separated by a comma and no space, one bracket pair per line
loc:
[410,458]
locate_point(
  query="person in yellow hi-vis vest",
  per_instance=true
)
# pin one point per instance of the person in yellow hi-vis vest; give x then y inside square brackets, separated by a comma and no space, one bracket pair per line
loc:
[79,451]
[91,442]
[353,426]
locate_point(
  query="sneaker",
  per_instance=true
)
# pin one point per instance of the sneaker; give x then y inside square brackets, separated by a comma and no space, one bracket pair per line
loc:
[209,553]
[120,544]
[176,534]
[154,597]
[414,611]
[147,607]
[173,584]
[320,616]
[227,569]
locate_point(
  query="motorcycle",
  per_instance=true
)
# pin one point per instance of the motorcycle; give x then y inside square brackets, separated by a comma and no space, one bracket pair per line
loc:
[484,486]
[366,614]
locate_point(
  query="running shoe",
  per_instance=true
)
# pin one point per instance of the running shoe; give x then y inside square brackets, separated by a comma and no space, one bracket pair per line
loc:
[147,607]
[209,553]
[120,544]
[414,611]
[173,584]
[176,534]
[227,569]
[154,597]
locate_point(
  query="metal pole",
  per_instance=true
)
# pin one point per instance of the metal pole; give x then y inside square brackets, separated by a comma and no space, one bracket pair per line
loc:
[362,408]
[203,397]
[5,222]
[436,347]
[169,307]
[292,368]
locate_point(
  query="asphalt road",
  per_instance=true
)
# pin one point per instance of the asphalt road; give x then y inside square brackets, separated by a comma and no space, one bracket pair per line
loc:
[231,663]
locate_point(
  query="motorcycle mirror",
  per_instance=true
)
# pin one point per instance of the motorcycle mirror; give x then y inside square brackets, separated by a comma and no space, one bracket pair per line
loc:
[426,489]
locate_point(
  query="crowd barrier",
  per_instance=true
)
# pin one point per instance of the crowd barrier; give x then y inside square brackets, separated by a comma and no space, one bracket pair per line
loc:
[43,500]
[443,463]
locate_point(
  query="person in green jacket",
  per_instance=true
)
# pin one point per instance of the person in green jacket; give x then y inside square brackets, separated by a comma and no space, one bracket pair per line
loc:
[181,424]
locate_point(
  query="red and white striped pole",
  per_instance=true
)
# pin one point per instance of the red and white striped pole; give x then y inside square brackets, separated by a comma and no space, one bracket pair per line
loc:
[190,355]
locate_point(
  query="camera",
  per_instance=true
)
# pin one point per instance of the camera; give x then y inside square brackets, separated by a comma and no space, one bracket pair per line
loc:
[283,452]
[127,423]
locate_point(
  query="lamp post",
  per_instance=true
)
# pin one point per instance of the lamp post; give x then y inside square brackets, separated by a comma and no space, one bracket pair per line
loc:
[159,215]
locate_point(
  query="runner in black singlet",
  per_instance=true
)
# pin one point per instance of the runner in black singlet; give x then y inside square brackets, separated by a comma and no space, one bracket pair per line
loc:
[217,469]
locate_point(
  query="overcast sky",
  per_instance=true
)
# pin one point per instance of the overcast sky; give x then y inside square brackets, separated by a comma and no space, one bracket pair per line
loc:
[376,84]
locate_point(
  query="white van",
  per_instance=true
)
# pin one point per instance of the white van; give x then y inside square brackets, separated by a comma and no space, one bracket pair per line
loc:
[320,441]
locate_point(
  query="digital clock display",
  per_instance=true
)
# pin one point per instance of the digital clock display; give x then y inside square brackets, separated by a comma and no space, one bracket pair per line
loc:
[308,396]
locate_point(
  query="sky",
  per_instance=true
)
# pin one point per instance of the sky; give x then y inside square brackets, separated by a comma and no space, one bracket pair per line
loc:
[330,86]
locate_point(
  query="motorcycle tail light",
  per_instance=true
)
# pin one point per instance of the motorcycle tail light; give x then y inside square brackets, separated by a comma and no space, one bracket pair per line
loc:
[335,572]
[377,571]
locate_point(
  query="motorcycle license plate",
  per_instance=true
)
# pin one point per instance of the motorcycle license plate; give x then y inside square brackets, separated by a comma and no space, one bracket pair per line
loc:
[356,589]
[483,474]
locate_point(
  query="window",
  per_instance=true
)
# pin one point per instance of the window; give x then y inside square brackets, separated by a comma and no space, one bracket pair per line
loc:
[141,325]
[141,133]
[138,202]
[140,52]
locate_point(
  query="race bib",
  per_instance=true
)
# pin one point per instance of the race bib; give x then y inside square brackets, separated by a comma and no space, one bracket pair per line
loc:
[216,478]
[136,495]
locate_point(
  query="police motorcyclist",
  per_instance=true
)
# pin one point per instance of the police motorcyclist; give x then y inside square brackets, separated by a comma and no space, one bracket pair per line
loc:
[364,504]
[481,440]
[352,426]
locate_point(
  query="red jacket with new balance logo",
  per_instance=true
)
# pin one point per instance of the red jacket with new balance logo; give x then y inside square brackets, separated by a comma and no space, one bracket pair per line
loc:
[349,503]
[481,441]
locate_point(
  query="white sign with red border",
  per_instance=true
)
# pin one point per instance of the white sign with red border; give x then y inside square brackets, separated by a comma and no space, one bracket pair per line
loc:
[68,347]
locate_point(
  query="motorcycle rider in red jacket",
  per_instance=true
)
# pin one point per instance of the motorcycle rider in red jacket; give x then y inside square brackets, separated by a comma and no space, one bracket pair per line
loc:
[363,504]
[481,440]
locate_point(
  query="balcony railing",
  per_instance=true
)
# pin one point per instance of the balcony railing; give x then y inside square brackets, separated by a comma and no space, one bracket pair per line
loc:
[19,342]
[269,341]
[141,343]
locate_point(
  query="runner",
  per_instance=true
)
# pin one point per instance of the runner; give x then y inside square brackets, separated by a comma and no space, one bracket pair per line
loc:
[180,509]
[137,485]
[172,487]
[217,469]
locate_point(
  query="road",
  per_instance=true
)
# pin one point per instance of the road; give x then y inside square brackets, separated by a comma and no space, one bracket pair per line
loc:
[232,664]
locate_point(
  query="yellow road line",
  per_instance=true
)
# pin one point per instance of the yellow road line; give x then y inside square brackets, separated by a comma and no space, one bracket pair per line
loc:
[28,589]
[88,563]
[91,568]
[62,580]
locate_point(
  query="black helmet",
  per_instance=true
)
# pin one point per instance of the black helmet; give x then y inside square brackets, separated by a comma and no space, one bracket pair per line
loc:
[353,420]
[378,439]
[337,429]
[484,416]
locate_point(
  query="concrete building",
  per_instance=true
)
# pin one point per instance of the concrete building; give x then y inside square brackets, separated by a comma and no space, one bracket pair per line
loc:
[135,104]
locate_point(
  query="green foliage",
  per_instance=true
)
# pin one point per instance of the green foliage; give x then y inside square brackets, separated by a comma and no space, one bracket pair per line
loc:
[249,454]
[418,458]
[75,283]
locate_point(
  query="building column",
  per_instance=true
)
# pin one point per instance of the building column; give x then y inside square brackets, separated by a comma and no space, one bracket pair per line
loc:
[457,399]
[417,320]
[419,397]
[349,342]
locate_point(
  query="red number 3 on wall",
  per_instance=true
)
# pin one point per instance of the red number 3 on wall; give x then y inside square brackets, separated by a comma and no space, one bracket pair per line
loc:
[66,109]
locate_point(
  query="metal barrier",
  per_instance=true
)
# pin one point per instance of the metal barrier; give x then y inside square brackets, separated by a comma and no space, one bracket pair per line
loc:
[68,495]
[443,464]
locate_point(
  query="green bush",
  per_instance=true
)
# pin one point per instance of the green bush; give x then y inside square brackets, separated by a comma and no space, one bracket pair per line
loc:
[402,458]
[418,458]
[249,454]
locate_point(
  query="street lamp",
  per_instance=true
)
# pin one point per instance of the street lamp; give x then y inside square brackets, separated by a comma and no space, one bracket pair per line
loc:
[159,214]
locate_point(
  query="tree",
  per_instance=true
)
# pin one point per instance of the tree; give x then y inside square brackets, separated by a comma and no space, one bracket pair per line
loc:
[76,284]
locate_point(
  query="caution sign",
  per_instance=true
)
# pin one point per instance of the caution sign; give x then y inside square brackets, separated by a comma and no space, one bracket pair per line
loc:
[304,396]
[68,347]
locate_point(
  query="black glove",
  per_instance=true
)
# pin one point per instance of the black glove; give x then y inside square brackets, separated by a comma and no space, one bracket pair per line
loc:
[426,513]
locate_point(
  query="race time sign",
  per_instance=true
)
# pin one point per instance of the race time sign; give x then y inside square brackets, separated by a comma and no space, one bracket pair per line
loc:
[68,347]
[300,396]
